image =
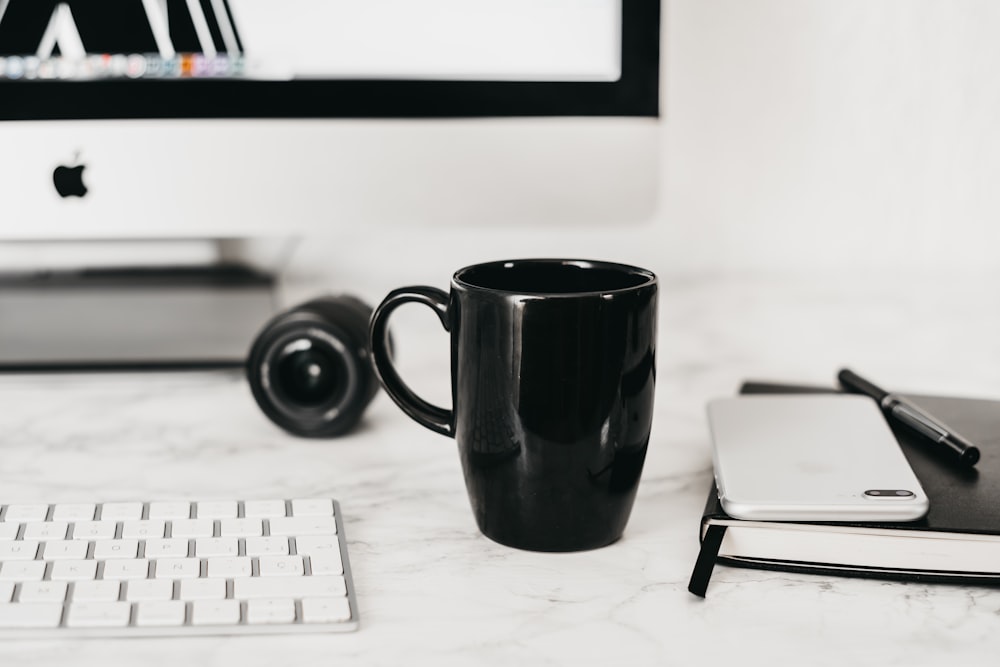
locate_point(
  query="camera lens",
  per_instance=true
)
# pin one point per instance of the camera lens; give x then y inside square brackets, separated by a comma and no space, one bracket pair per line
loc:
[890,493]
[309,367]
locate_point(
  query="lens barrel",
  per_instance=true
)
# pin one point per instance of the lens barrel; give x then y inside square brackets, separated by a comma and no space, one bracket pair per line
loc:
[309,368]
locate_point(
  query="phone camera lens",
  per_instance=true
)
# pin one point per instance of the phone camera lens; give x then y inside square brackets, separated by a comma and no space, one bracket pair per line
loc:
[889,493]
[309,367]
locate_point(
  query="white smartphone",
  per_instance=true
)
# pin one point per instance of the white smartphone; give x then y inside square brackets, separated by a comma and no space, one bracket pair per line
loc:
[810,458]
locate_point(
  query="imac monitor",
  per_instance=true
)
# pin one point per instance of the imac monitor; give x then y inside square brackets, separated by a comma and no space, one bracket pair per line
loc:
[233,119]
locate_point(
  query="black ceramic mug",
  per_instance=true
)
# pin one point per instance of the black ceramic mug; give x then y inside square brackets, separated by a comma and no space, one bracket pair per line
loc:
[552,368]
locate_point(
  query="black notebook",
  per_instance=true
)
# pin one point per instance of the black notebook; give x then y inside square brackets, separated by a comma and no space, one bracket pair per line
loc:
[957,542]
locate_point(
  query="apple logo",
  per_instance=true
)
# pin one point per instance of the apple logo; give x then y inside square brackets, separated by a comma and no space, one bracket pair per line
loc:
[69,180]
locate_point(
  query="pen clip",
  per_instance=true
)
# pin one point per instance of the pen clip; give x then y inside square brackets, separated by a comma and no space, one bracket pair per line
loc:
[914,417]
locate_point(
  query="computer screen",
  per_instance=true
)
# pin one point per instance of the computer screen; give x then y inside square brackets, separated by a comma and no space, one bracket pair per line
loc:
[310,39]
[237,54]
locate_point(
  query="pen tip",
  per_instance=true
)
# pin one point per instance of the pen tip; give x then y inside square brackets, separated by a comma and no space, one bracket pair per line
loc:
[970,456]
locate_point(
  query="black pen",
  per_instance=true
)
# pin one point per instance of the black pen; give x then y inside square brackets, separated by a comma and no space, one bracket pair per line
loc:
[898,409]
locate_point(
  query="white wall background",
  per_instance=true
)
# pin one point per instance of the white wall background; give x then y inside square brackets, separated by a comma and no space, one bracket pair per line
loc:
[832,133]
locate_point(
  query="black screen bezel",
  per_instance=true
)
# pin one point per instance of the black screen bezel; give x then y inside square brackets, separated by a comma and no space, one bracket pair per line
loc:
[636,93]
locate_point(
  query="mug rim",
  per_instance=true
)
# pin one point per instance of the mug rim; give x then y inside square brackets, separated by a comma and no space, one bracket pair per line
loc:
[650,278]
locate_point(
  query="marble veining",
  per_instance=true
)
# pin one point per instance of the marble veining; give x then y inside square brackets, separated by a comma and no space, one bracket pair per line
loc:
[433,591]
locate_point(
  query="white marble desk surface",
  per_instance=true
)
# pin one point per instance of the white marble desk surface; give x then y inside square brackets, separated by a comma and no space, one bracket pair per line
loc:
[433,591]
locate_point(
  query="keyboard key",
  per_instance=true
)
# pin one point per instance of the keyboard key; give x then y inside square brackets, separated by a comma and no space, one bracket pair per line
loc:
[74,512]
[74,570]
[45,530]
[207,547]
[96,591]
[94,530]
[8,530]
[304,525]
[18,550]
[267,546]
[252,588]
[270,611]
[64,550]
[112,549]
[35,615]
[149,589]
[121,511]
[215,612]
[6,591]
[203,589]
[178,568]
[165,613]
[98,614]
[192,528]
[312,507]
[34,512]
[327,562]
[42,591]
[143,529]
[125,570]
[22,570]
[239,566]
[325,610]
[315,544]
[281,566]
[170,509]
[173,547]
[224,509]
[263,509]
[241,528]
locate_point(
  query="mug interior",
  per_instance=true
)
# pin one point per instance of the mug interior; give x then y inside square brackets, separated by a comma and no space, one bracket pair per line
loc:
[553,276]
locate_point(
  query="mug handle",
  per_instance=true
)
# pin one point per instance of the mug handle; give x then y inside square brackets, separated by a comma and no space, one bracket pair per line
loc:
[431,416]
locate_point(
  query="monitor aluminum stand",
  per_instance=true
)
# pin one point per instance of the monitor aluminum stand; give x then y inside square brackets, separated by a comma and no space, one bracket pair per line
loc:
[173,315]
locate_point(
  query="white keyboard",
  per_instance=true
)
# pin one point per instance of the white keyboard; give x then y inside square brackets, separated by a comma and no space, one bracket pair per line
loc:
[174,568]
